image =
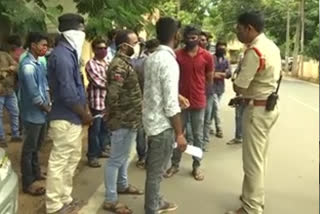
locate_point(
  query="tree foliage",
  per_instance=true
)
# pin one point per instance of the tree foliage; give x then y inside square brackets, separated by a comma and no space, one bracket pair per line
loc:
[23,16]
[107,14]
[223,16]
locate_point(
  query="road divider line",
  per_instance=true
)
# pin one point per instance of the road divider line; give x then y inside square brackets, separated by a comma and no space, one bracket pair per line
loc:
[304,104]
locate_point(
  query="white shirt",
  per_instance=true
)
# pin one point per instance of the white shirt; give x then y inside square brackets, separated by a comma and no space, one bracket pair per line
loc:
[161,90]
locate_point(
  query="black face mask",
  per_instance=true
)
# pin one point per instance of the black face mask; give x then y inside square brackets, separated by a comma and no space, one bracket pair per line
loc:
[191,44]
[221,52]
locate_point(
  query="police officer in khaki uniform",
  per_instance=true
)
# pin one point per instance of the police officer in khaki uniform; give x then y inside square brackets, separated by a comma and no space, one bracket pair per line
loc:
[257,80]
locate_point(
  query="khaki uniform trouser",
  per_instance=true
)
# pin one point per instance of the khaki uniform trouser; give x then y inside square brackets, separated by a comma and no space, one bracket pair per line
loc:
[64,158]
[257,123]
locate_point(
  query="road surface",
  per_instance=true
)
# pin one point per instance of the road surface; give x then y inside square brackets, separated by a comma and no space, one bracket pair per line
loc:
[291,180]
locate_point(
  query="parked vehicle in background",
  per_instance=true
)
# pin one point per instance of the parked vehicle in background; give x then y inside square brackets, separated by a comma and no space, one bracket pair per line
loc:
[9,189]
[290,63]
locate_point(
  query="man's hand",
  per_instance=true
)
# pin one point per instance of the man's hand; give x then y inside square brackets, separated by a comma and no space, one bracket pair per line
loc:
[45,108]
[182,143]
[105,115]
[219,75]
[12,68]
[86,118]
[183,102]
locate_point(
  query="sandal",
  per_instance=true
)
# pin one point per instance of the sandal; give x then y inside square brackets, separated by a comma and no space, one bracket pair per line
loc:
[198,174]
[94,163]
[117,208]
[131,190]
[171,172]
[35,190]
[141,164]
[42,176]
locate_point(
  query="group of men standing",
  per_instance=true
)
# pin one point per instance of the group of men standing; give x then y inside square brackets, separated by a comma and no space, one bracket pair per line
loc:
[129,97]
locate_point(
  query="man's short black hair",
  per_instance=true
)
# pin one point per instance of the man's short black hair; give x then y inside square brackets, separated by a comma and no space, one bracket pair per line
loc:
[166,28]
[221,43]
[202,33]
[122,36]
[152,43]
[97,41]
[254,18]
[35,37]
[190,30]
[14,40]
[112,33]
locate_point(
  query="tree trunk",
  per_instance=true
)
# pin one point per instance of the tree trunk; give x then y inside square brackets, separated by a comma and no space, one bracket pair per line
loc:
[295,66]
[302,38]
[287,42]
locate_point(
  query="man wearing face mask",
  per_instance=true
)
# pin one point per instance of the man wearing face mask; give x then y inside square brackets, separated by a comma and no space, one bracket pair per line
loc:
[68,115]
[35,106]
[124,117]
[222,72]
[196,70]
[203,40]
[97,91]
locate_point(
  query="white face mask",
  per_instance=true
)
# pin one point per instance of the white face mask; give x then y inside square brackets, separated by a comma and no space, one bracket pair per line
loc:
[136,50]
[76,39]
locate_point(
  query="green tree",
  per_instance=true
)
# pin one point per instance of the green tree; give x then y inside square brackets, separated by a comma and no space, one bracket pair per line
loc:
[107,14]
[22,16]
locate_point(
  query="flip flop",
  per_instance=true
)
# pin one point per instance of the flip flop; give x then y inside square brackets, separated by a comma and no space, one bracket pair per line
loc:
[198,174]
[131,190]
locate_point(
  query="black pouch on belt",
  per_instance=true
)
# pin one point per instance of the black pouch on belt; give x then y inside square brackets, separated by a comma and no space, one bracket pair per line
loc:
[272,101]
[273,98]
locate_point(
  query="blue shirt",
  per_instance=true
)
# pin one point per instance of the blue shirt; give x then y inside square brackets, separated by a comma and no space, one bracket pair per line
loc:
[65,83]
[221,65]
[33,88]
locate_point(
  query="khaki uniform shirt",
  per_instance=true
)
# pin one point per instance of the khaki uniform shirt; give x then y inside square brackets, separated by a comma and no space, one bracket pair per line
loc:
[124,100]
[8,79]
[259,74]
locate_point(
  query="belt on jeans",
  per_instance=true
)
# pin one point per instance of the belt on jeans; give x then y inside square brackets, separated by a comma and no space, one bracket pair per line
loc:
[255,102]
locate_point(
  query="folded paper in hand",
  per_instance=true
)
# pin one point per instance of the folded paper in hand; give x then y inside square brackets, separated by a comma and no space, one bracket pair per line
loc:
[192,150]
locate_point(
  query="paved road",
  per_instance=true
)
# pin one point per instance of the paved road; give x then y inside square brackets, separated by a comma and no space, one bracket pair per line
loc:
[291,180]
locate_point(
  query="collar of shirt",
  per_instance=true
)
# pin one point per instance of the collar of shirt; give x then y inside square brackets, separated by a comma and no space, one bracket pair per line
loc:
[66,44]
[124,57]
[260,36]
[31,57]
[104,63]
[200,52]
[167,48]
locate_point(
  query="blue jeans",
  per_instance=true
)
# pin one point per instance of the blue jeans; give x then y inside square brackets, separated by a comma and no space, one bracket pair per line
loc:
[159,153]
[239,114]
[116,170]
[208,119]
[196,118]
[215,112]
[141,144]
[10,102]
[98,134]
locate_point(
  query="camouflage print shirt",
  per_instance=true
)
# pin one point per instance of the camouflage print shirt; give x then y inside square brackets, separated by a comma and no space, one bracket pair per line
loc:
[8,79]
[124,100]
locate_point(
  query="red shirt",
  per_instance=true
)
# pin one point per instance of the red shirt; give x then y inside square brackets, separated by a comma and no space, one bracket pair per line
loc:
[193,72]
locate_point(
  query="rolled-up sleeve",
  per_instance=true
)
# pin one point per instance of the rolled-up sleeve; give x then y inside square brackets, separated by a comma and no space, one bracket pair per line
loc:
[63,71]
[249,67]
[29,78]
[169,79]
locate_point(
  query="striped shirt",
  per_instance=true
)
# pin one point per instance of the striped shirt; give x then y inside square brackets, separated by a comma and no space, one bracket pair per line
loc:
[97,88]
